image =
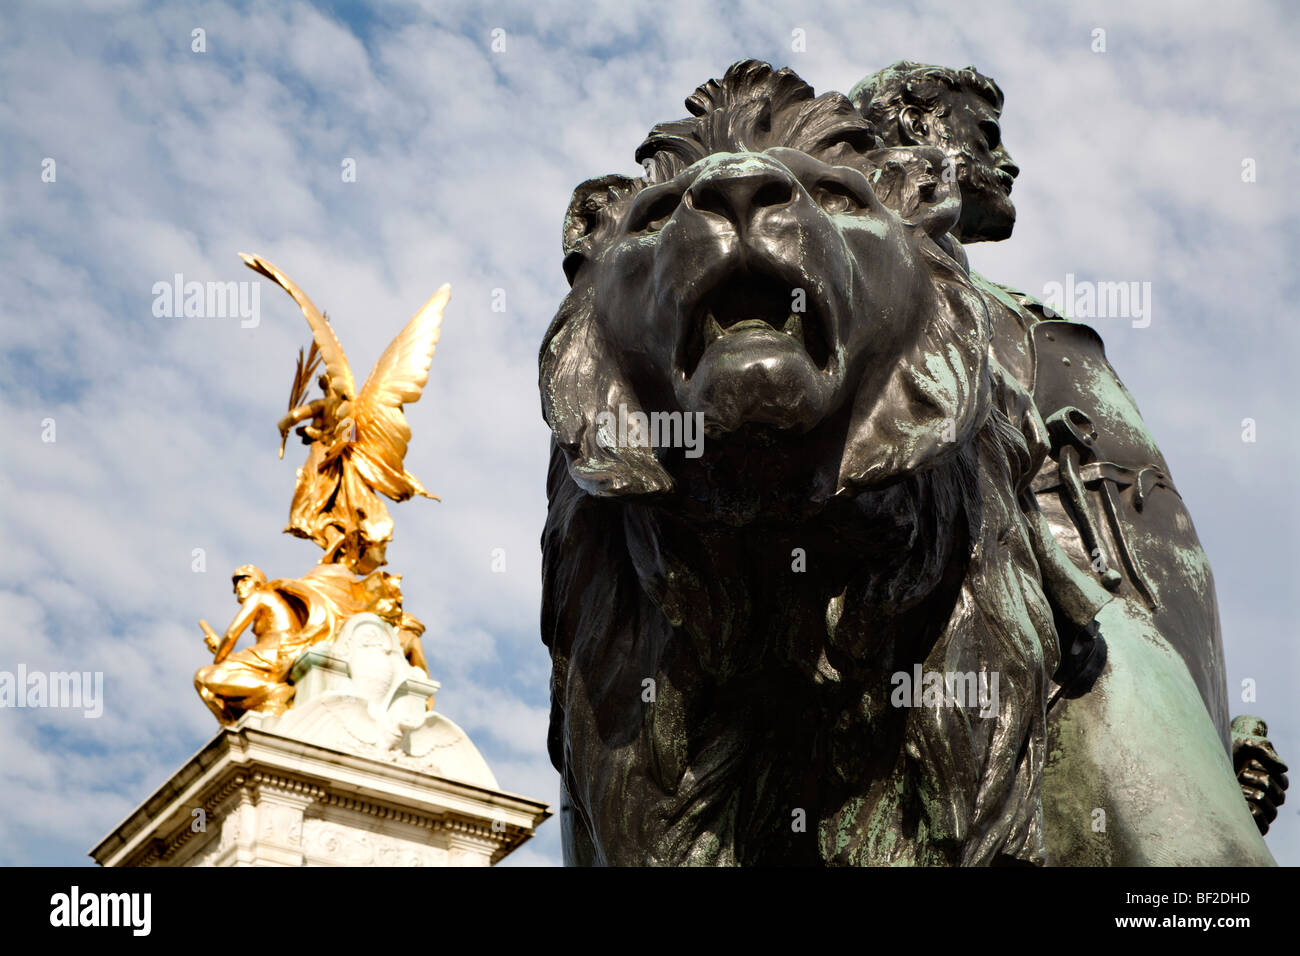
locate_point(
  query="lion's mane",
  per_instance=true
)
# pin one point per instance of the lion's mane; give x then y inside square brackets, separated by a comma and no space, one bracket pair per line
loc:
[704,699]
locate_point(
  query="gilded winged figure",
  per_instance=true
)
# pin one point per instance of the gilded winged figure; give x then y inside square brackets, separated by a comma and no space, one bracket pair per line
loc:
[357,438]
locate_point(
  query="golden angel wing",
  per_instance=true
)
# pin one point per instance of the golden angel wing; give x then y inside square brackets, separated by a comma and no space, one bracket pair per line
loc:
[336,363]
[397,378]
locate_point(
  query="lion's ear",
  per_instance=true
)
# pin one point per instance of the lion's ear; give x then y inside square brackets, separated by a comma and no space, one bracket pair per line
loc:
[583,396]
[914,182]
[589,217]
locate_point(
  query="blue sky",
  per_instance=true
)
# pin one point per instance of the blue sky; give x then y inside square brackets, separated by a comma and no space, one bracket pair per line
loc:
[172,161]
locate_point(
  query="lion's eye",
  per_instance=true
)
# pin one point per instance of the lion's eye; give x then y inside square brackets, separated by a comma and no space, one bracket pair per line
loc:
[653,214]
[836,198]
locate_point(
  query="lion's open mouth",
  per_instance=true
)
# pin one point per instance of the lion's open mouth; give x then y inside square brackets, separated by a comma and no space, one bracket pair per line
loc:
[748,302]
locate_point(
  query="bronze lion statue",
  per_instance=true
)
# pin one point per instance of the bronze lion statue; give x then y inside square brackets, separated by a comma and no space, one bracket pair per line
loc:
[731,623]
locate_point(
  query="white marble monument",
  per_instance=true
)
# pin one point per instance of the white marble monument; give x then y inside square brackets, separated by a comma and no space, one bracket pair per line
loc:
[360,771]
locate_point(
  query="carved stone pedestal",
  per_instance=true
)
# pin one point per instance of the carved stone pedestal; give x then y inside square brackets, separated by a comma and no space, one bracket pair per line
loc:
[357,773]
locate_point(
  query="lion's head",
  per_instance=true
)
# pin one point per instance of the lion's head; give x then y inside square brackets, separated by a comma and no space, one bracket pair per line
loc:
[778,275]
[772,270]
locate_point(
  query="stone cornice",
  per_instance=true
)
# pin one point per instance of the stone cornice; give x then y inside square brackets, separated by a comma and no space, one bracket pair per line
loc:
[246,761]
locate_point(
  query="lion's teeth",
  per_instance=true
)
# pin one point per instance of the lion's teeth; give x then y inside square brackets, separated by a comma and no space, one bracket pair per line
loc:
[712,330]
[794,326]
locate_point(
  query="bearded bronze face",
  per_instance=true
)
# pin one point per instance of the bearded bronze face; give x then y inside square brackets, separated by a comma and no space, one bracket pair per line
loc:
[957,111]
[968,131]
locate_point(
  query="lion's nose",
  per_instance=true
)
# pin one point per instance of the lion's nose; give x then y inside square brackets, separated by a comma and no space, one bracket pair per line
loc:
[739,192]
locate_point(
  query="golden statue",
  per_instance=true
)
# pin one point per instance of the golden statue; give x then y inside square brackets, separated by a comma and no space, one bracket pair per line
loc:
[357,445]
[287,616]
[357,440]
